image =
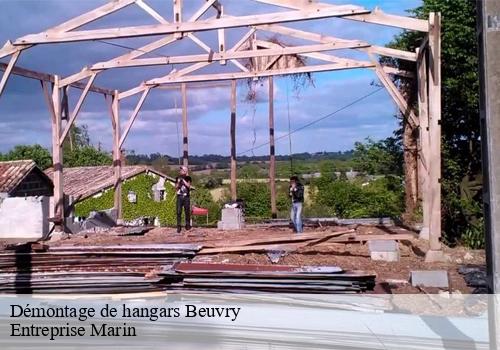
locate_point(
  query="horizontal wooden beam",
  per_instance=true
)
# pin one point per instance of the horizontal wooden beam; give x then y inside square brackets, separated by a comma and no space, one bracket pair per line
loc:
[246,75]
[158,29]
[376,16]
[216,56]
[23,72]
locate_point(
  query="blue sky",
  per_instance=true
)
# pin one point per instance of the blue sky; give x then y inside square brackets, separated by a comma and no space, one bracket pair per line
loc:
[24,118]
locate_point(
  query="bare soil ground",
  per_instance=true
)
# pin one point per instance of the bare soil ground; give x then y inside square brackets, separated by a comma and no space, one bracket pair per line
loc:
[392,277]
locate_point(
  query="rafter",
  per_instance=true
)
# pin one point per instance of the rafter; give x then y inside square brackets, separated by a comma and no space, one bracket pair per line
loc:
[73,23]
[376,16]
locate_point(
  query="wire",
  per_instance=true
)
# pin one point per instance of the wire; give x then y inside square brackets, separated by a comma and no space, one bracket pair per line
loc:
[315,121]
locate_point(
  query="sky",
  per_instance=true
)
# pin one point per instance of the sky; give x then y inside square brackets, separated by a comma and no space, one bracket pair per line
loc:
[325,114]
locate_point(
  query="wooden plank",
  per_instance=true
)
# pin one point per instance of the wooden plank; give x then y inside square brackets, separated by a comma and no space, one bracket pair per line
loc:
[233,140]
[245,75]
[58,203]
[117,163]
[423,165]
[133,116]
[205,25]
[435,130]
[272,156]
[178,16]
[151,11]
[376,16]
[185,146]
[77,108]
[219,56]
[8,71]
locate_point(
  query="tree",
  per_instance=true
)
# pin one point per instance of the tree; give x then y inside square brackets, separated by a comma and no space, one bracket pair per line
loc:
[78,151]
[460,102]
[383,157]
[39,154]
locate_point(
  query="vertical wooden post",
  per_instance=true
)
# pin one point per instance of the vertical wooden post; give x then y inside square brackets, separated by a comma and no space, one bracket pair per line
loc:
[435,253]
[424,151]
[272,160]
[178,16]
[57,161]
[185,156]
[117,161]
[233,140]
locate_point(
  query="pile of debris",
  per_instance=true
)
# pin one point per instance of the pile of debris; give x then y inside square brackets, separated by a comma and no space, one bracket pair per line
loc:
[475,276]
[35,268]
[235,278]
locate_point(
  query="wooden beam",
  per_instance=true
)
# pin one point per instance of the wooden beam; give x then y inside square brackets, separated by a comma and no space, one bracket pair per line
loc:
[221,37]
[423,164]
[57,156]
[188,69]
[376,16]
[272,152]
[50,78]
[185,146]
[216,56]
[8,71]
[72,24]
[245,75]
[142,50]
[395,93]
[117,162]
[435,252]
[234,195]
[77,108]
[151,11]
[133,116]
[158,29]
[178,16]
[340,43]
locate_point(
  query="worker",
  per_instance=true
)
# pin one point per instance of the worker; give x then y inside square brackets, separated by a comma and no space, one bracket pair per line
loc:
[296,192]
[182,190]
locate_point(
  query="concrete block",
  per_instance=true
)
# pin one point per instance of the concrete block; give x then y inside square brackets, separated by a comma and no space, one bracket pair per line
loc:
[385,256]
[24,217]
[383,246]
[436,278]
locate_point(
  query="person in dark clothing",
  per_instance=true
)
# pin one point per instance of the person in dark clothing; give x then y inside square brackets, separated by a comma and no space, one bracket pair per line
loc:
[182,190]
[296,193]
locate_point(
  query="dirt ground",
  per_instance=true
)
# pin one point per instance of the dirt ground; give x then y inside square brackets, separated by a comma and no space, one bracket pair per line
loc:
[392,277]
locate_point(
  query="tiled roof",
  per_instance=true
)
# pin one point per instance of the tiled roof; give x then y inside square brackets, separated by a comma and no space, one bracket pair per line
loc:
[13,172]
[83,182]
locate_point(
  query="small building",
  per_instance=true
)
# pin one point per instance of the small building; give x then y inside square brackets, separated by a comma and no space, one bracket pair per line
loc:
[25,192]
[89,189]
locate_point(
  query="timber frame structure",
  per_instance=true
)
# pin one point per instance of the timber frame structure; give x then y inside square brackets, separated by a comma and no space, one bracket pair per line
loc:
[427,58]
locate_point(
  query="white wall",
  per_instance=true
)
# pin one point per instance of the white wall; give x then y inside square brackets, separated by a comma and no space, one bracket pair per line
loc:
[24,217]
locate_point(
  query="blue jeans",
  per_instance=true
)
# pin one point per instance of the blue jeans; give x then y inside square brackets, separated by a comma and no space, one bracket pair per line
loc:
[296,216]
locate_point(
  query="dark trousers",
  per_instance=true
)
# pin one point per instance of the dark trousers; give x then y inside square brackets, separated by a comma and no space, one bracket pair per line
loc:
[183,202]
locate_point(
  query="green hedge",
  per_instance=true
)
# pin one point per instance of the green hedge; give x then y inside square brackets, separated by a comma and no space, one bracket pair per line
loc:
[146,206]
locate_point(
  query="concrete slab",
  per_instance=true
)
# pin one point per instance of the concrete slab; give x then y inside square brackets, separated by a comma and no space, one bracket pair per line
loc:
[436,278]
[436,256]
[24,217]
[383,246]
[385,256]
